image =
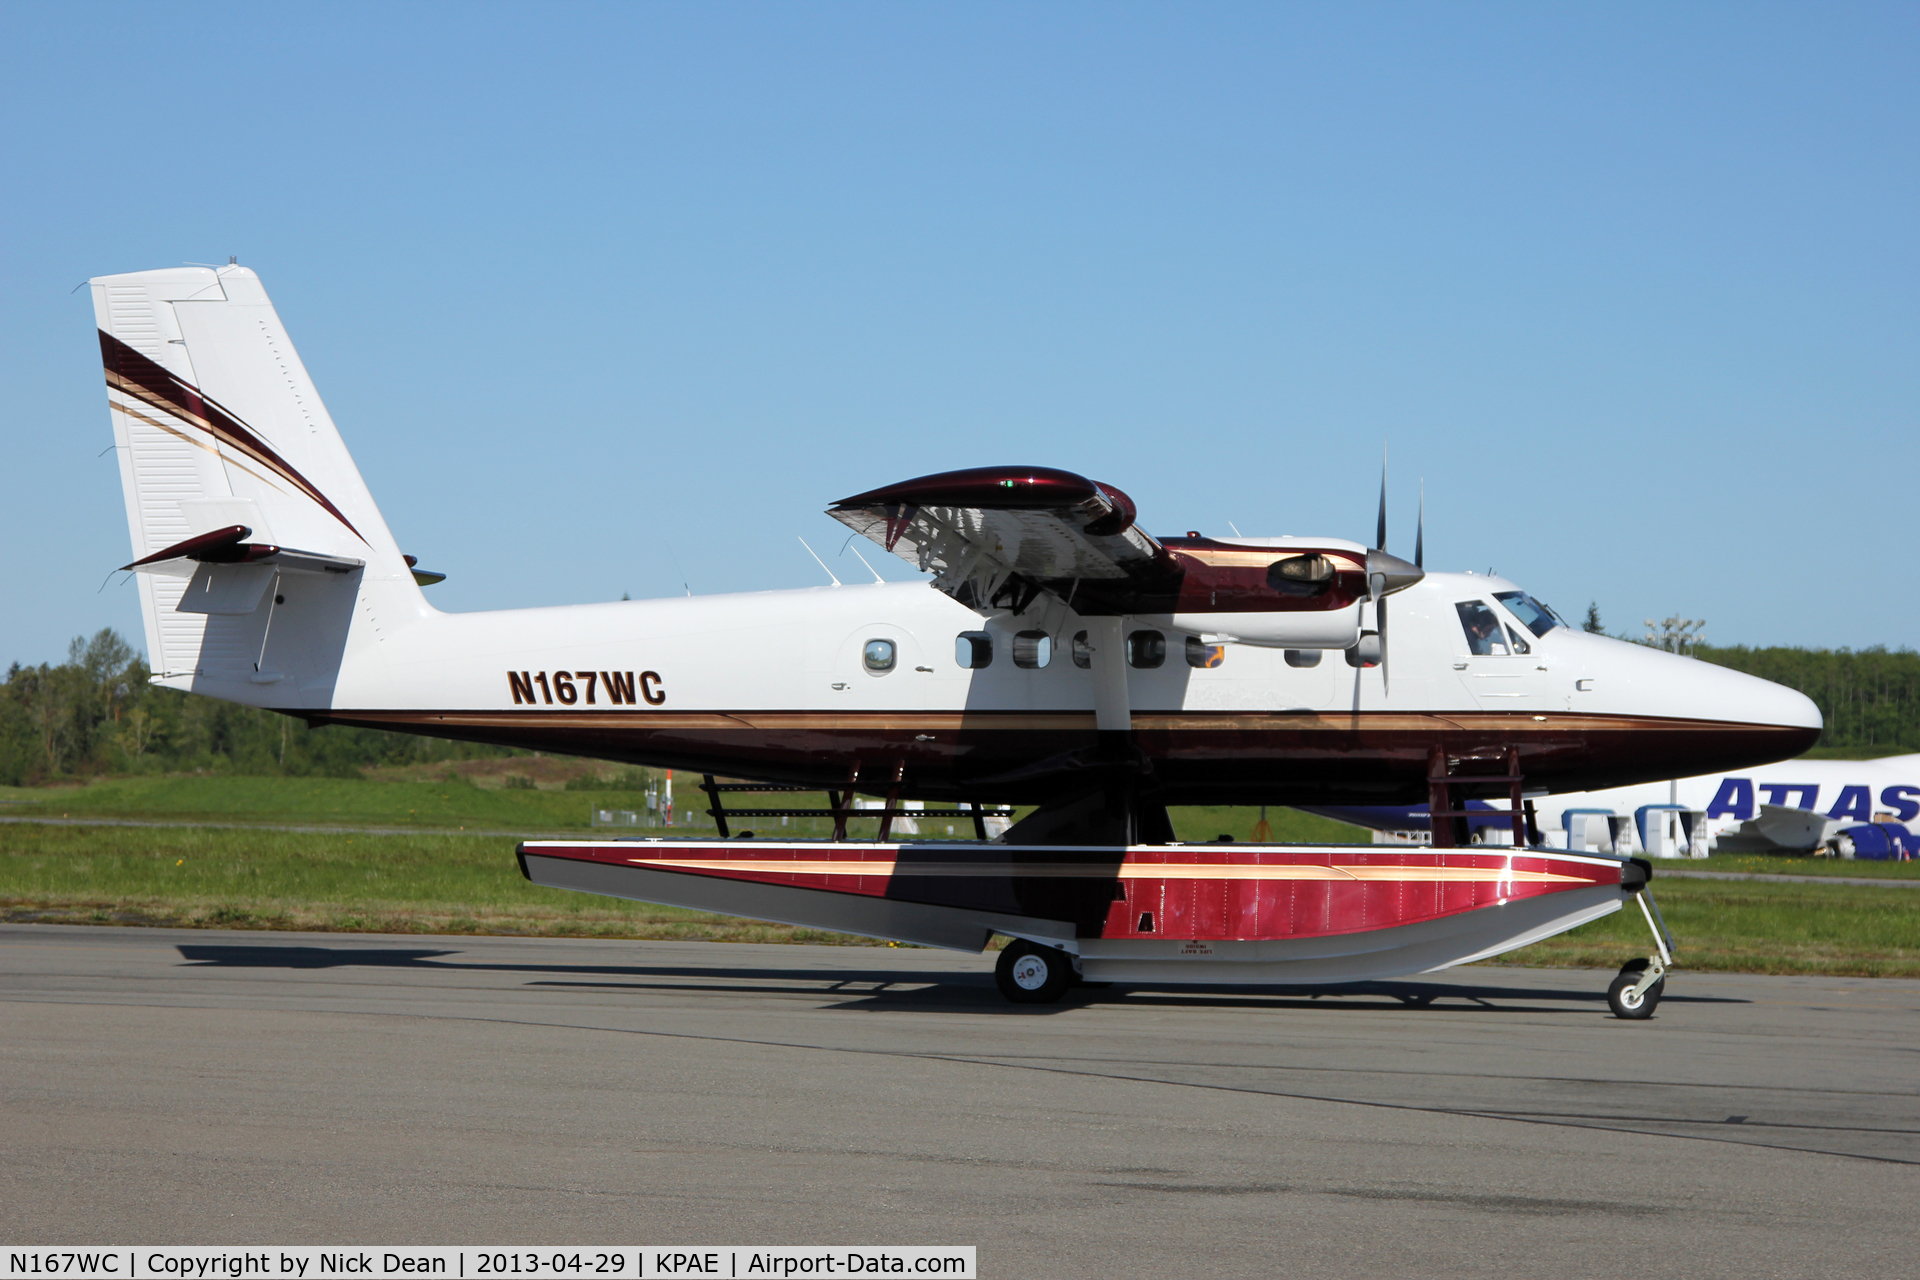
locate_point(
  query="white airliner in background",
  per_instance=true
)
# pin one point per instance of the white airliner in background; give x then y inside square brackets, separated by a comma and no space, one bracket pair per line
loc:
[1060,656]
[1794,806]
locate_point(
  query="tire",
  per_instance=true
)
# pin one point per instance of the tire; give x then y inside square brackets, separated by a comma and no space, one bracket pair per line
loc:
[1032,974]
[1622,1004]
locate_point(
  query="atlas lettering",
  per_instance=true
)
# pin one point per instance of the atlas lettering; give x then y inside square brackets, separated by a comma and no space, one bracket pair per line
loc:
[1733,800]
[585,688]
[1902,801]
[1855,803]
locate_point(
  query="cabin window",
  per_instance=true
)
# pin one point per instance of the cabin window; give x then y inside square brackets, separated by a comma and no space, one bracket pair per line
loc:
[1082,651]
[1032,650]
[1204,656]
[1303,657]
[879,656]
[973,649]
[1535,616]
[1520,644]
[1146,649]
[1485,635]
[1301,575]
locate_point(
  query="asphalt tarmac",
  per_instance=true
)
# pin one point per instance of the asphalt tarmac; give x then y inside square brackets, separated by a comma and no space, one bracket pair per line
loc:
[190,1086]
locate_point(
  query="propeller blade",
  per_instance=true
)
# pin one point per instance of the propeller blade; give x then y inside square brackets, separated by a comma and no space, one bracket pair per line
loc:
[1386,574]
[1378,584]
[1420,531]
[1380,533]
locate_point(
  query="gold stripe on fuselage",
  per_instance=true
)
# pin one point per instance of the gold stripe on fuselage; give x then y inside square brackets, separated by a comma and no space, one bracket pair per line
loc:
[1126,871]
[1521,722]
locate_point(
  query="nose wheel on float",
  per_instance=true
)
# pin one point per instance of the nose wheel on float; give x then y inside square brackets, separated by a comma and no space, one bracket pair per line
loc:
[1636,992]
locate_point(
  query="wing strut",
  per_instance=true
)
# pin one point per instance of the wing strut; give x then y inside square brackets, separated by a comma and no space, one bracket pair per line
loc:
[1112,711]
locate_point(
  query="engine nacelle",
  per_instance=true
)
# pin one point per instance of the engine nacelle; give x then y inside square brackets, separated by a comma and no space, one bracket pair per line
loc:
[1319,629]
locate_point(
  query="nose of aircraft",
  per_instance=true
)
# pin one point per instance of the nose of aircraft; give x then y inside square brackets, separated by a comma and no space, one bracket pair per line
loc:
[1753,700]
[1691,716]
[1645,681]
[1707,691]
[1752,716]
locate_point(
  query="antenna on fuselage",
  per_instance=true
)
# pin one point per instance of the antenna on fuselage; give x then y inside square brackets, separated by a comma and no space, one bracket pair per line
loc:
[817,560]
[863,560]
[675,557]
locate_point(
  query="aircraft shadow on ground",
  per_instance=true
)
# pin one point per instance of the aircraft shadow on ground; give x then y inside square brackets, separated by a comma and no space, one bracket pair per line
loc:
[886,990]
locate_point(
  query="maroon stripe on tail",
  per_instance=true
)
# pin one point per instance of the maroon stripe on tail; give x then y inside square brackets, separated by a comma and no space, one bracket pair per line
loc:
[187,400]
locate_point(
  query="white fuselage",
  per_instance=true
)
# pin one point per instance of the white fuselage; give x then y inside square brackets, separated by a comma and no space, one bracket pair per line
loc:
[801,650]
[710,673]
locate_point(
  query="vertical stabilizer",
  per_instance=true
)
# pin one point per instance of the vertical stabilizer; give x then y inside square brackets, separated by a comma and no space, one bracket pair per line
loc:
[217,425]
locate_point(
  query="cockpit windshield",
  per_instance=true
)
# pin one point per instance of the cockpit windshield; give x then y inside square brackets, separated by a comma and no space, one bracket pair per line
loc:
[1538,618]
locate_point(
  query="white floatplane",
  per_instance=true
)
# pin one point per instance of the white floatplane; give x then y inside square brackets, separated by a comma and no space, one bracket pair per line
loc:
[1060,657]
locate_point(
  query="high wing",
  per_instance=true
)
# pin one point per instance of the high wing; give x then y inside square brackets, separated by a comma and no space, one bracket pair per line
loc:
[995,537]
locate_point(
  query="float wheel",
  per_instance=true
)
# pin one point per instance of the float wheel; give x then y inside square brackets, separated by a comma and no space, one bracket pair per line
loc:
[1031,974]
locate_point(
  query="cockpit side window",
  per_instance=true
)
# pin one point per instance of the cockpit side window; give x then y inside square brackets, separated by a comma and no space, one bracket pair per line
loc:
[1485,635]
[1537,617]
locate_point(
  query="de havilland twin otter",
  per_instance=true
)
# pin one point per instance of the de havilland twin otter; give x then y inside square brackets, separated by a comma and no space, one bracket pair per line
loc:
[1061,657]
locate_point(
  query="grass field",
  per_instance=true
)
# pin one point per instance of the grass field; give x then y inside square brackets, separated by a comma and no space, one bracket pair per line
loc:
[447,803]
[189,876]
[420,883]
[455,801]
[1757,927]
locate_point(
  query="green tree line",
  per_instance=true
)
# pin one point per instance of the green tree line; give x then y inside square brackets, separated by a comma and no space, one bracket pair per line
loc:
[96,713]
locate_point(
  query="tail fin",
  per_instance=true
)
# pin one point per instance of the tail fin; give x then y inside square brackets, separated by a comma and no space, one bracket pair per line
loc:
[217,427]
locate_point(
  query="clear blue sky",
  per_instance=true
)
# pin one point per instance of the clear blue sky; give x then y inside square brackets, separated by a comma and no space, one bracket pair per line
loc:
[609,298]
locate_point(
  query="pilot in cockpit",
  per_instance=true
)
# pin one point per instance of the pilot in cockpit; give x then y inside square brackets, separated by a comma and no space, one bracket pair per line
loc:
[1485,638]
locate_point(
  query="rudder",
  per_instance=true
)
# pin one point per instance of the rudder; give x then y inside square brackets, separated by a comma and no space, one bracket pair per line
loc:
[217,426]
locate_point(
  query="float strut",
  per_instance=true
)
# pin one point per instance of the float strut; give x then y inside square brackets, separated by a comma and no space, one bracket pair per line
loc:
[1657,965]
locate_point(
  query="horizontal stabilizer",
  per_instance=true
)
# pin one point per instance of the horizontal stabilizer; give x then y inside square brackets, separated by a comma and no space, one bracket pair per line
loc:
[229,546]
[422,577]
